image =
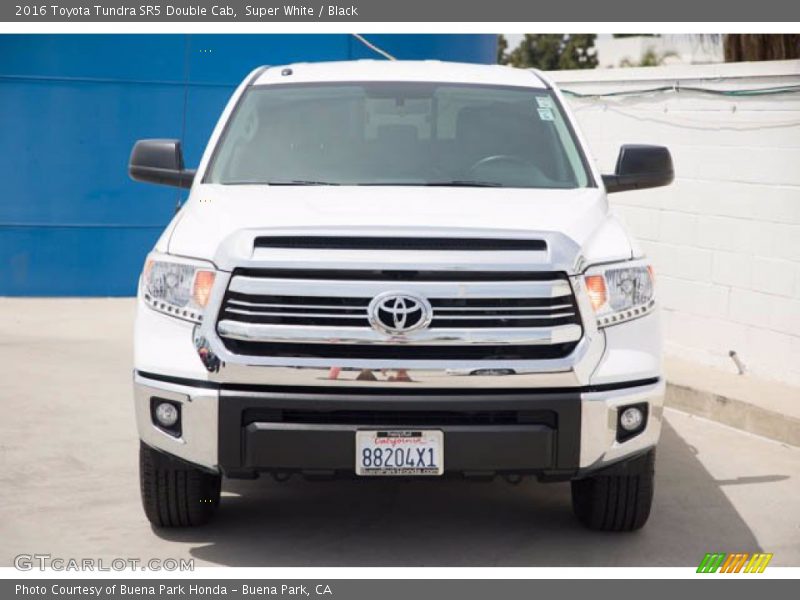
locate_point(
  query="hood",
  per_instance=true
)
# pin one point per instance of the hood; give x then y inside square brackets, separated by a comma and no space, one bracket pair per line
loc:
[215,213]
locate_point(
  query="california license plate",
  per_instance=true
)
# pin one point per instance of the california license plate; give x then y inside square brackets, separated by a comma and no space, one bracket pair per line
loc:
[396,452]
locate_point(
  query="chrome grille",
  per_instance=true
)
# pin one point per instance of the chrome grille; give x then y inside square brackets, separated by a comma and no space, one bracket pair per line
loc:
[479,315]
[331,311]
[504,312]
[296,310]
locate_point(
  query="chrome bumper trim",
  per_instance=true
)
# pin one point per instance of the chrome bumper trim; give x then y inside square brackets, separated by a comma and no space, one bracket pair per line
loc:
[570,371]
[198,443]
[369,289]
[362,335]
[599,423]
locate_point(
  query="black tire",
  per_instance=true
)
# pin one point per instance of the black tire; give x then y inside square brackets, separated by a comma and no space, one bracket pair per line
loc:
[618,501]
[174,493]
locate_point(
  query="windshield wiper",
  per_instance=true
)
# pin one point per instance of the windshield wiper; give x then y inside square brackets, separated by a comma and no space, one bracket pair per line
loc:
[456,183]
[301,182]
[279,182]
[463,183]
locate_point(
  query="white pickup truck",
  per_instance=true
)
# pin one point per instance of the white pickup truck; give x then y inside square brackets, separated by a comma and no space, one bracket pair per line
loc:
[398,269]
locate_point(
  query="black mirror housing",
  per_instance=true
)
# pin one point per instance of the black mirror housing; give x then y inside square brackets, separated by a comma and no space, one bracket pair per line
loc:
[161,162]
[640,167]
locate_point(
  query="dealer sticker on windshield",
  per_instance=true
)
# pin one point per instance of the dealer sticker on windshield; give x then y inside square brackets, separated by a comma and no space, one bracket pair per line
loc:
[546,114]
[395,452]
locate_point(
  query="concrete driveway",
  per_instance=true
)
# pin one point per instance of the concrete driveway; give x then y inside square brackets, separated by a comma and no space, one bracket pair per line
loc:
[69,484]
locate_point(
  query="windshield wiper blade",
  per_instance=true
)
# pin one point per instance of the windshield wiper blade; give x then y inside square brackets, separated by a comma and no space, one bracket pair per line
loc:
[457,183]
[454,183]
[301,182]
[463,183]
[279,182]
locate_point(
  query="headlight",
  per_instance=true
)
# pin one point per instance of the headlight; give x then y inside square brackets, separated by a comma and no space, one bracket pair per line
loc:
[177,287]
[620,293]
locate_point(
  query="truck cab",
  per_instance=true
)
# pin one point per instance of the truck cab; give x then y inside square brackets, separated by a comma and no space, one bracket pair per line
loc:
[398,269]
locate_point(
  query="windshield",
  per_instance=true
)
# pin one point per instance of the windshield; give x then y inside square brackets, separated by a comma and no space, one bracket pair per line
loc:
[390,133]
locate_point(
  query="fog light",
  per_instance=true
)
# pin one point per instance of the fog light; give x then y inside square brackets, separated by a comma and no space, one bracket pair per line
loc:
[631,419]
[167,414]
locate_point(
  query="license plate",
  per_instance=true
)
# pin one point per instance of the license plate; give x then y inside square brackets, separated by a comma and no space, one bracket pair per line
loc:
[396,452]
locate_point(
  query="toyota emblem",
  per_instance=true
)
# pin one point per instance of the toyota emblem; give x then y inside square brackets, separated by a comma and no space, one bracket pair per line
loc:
[399,312]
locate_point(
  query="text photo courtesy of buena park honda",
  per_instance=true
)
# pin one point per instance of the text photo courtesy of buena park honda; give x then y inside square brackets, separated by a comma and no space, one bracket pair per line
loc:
[499,299]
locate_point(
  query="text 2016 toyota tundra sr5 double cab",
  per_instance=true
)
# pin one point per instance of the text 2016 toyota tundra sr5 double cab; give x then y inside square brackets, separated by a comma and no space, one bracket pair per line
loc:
[389,269]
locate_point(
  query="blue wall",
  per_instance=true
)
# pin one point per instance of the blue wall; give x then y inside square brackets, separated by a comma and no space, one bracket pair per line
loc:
[71,221]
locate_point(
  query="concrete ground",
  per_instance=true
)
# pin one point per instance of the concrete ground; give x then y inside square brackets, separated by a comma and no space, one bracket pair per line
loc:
[747,402]
[69,484]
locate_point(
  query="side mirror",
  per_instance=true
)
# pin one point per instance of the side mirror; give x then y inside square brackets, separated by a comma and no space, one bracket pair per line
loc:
[159,161]
[640,167]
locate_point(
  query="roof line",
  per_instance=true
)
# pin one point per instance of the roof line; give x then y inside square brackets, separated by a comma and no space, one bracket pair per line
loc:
[257,72]
[543,80]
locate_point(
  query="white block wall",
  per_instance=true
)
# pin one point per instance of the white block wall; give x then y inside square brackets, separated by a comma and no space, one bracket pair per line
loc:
[725,237]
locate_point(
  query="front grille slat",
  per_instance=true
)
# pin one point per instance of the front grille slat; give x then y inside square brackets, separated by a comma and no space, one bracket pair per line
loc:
[312,314]
[304,307]
[498,323]
[329,301]
[495,317]
[451,310]
[307,320]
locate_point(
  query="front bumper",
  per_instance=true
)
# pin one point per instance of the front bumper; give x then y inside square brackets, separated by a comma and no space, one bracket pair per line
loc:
[556,433]
[247,414]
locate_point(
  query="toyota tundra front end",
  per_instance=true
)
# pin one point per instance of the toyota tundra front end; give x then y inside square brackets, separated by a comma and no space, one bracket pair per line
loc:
[398,269]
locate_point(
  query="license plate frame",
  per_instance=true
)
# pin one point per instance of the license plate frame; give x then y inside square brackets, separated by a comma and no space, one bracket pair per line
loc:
[420,452]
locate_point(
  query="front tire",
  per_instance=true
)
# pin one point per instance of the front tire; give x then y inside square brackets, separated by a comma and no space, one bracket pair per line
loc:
[618,501]
[174,493]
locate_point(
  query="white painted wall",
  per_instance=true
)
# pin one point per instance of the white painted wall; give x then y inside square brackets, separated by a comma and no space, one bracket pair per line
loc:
[725,237]
[690,49]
